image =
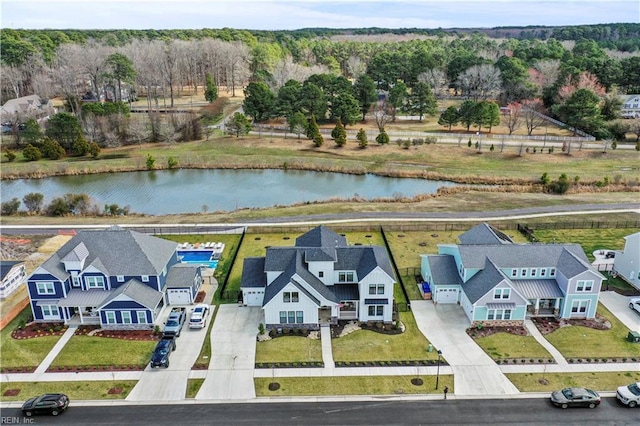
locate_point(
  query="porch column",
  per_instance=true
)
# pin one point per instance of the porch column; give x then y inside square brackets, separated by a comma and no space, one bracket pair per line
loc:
[536,310]
[556,307]
[65,315]
[80,313]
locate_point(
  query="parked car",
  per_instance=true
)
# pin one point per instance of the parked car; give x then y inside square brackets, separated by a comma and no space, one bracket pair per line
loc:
[175,321]
[634,304]
[198,318]
[575,397]
[629,395]
[160,357]
[50,403]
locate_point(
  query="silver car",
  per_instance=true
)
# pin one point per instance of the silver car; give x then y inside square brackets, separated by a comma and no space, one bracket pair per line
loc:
[629,395]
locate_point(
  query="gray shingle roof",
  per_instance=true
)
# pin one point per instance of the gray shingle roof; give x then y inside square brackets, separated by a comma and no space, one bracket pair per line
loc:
[571,265]
[6,265]
[483,282]
[517,255]
[443,270]
[135,290]
[182,275]
[321,236]
[537,289]
[116,251]
[322,254]
[484,234]
[253,274]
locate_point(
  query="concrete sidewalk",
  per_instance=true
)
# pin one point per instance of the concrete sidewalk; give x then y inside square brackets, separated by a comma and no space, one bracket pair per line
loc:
[327,351]
[53,353]
[533,330]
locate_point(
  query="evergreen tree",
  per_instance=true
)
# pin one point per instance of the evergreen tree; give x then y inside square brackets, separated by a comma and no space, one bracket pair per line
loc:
[239,125]
[211,90]
[339,134]
[449,117]
[382,138]
[312,128]
[362,138]
[422,101]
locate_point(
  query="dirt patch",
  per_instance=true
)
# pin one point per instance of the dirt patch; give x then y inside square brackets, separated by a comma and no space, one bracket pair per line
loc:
[115,391]
[274,386]
[476,332]
[11,392]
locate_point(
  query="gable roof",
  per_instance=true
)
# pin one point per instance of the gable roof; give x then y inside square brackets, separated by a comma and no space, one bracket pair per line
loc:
[253,272]
[483,282]
[115,251]
[517,255]
[181,275]
[6,266]
[443,270]
[135,290]
[321,236]
[484,234]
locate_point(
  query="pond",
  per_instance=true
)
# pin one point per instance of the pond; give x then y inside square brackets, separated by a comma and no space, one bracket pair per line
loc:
[196,190]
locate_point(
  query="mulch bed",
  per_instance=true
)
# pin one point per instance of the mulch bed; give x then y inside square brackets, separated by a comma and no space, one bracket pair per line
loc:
[549,325]
[11,392]
[34,330]
[115,391]
[200,297]
[94,368]
[9,370]
[476,332]
[127,334]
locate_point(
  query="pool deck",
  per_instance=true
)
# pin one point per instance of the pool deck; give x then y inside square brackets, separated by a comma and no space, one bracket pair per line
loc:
[208,246]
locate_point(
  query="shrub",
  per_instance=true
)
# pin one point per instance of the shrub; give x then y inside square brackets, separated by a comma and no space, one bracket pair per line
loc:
[151,162]
[172,162]
[261,328]
[10,207]
[31,153]
[11,156]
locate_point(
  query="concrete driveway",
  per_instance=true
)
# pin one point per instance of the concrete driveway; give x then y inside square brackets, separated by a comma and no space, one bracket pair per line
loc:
[233,347]
[170,384]
[475,373]
[619,306]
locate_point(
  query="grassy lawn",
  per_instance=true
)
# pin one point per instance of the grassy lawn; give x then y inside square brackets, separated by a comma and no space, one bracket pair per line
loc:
[289,349]
[590,239]
[81,390]
[27,352]
[205,352]
[366,345]
[609,381]
[505,346]
[193,386]
[584,342]
[358,385]
[88,350]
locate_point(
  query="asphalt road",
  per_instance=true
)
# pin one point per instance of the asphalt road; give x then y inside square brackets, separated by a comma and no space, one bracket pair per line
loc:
[379,412]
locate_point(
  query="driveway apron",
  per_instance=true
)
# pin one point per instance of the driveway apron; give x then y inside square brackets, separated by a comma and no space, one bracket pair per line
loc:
[233,347]
[475,373]
[170,384]
[619,306]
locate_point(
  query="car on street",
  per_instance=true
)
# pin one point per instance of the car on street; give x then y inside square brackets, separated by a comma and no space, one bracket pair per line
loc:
[160,357]
[634,304]
[629,395]
[198,318]
[575,397]
[49,403]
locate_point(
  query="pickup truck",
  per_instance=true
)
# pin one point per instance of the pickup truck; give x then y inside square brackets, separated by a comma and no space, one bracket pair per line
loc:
[175,321]
[160,357]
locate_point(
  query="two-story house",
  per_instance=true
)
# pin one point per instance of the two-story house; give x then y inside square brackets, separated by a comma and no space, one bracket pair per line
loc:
[13,274]
[319,281]
[113,277]
[495,279]
[626,264]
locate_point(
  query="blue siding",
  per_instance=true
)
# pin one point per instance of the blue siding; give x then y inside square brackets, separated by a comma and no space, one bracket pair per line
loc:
[172,261]
[118,315]
[95,274]
[32,288]
[122,304]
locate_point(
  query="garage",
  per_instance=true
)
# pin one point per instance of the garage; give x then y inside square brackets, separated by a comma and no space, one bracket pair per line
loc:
[179,296]
[447,295]
[253,296]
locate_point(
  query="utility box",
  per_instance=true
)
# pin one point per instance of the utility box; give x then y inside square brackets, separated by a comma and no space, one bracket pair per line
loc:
[633,337]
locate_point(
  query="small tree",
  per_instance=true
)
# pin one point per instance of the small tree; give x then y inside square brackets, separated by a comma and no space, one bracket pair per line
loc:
[239,125]
[297,123]
[94,149]
[151,162]
[10,207]
[362,138]
[31,153]
[51,149]
[382,138]
[449,117]
[11,156]
[80,147]
[211,90]
[312,127]
[339,134]
[172,162]
[318,140]
[544,179]
[33,202]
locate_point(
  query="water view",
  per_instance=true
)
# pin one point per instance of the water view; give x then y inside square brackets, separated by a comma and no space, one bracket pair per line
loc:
[193,191]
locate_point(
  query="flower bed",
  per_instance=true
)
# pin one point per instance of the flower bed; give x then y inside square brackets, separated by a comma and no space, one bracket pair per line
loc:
[10,370]
[306,364]
[34,329]
[94,368]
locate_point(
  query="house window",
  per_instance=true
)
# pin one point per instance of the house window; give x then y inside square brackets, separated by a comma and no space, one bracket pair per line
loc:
[283,317]
[142,317]
[46,288]
[94,282]
[376,288]
[579,306]
[120,278]
[584,286]
[552,272]
[299,317]
[320,274]
[514,273]
[75,281]
[376,310]
[345,277]
[126,317]
[110,317]
[290,297]
[507,314]
[534,272]
[501,293]
[292,317]
[523,272]
[49,311]
[543,272]
[499,314]
[145,278]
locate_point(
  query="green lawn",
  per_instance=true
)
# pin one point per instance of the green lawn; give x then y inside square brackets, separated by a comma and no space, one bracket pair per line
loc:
[27,352]
[501,346]
[289,349]
[590,239]
[193,386]
[88,350]
[367,345]
[584,342]
[609,381]
[358,385]
[76,391]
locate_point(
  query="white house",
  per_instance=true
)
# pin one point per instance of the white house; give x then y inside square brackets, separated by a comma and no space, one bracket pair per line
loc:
[19,110]
[320,280]
[627,262]
[13,274]
[630,106]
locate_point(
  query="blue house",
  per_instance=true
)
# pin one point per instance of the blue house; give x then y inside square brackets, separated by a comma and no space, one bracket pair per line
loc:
[497,280]
[113,277]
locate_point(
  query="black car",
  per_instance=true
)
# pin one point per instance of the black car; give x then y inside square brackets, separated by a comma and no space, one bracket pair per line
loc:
[575,397]
[160,357]
[50,403]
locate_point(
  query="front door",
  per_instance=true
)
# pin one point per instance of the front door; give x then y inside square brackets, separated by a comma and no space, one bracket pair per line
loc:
[324,315]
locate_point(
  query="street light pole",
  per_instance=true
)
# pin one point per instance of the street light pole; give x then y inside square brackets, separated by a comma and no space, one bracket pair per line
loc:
[438,370]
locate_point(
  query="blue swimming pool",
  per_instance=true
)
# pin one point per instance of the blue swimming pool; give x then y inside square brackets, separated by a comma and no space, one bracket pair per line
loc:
[199,257]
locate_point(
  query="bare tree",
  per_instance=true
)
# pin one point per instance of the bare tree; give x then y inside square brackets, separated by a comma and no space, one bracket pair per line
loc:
[480,81]
[356,66]
[547,73]
[285,70]
[533,114]
[146,57]
[12,80]
[236,65]
[168,66]
[437,79]
[382,113]
[511,118]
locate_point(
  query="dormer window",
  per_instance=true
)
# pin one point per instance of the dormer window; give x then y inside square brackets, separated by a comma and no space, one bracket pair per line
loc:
[534,272]
[523,272]
[543,272]
[120,278]
[345,277]
[320,274]
[145,278]
[514,273]
[552,272]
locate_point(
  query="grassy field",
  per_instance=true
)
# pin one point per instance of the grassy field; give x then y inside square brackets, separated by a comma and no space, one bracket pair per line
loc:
[500,346]
[76,391]
[289,349]
[87,350]
[358,385]
[367,345]
[590,239]
[530,382]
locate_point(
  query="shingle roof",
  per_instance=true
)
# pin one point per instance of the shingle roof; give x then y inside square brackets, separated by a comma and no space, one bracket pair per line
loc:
[484,234]
[571,265]
[321,236]
[517,255]
[483,282]
[6,265]
[138,292]
[115,251]
[443,270]
[181,275]
[253,274]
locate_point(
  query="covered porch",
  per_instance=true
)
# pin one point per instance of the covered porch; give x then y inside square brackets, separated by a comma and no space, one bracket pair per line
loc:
[348,295]
[543,297]
[81,307]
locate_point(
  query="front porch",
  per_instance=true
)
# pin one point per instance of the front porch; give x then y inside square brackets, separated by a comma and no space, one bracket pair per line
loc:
[81,307]
[543,308]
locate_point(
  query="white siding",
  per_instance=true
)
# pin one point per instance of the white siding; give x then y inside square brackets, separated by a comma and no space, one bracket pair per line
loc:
[274,306]
[467,306]
[627,262]
[327,268]
[377,276]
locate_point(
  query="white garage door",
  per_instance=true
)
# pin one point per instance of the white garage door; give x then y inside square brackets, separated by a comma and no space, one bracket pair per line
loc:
[253,297]
[179,296]
[447,295]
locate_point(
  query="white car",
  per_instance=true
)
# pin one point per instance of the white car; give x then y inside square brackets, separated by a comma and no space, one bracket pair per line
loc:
[629,395]
[634,304]
[198,318]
